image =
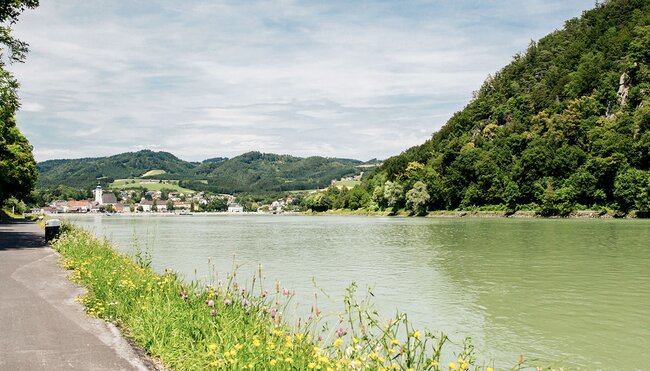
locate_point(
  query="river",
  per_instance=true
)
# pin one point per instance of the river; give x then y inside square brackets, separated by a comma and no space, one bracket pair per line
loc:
[570,293]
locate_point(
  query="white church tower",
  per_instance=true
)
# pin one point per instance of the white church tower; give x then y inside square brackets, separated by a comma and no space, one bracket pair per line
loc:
[98,195]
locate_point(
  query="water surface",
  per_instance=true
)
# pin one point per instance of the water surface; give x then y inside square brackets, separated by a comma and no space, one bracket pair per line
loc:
[568,292]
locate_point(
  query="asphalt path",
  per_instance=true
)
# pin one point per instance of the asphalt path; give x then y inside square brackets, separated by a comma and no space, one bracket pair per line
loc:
[42,326]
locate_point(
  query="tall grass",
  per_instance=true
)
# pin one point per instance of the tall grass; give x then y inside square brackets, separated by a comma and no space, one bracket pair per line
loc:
[191,326]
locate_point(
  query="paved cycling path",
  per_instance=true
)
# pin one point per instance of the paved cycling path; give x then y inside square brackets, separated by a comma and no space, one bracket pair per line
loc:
[42,327]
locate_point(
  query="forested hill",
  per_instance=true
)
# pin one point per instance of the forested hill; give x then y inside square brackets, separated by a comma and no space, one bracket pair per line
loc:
[252,171]
[565,125]
[255,172]
[86,172]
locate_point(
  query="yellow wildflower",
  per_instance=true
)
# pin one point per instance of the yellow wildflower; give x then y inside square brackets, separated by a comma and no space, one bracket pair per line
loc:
[316,349]
[435,364]
[489,369]
[355,340]
[337,343]
[374,355]
[238,346]
[256,343]
[311,365]
[212,346]
[392,351]
[452,366]
[273,362]
[417,334]
[288,360]
[394,342]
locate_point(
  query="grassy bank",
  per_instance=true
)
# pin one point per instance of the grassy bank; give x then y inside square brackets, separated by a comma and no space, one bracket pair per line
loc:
[189,326]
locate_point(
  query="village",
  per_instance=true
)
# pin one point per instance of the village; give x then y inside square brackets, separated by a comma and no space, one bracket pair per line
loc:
[157,202]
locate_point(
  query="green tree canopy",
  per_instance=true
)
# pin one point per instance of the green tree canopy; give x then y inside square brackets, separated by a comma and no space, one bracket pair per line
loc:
[17,166]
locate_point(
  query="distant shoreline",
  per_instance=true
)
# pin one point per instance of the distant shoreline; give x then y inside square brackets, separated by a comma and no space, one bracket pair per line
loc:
[442,214]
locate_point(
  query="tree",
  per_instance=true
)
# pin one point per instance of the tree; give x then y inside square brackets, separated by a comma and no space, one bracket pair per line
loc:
[170,205]
[359,198]
[154,206]
[417,198]
[631,189]
[17,165]
[394,193]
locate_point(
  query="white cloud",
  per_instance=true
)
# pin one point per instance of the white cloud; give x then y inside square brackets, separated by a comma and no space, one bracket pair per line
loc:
[206,79]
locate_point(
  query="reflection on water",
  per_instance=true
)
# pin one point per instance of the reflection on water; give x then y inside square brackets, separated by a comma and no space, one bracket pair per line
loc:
[570,292]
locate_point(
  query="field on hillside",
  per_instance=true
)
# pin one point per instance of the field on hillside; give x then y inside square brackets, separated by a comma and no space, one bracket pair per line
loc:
[151,185]
[153,173]
[347,183]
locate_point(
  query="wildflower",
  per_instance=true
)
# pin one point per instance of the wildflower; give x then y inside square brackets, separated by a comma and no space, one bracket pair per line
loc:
[244,303]
[355,340]
[210,303]
[394,342]
[435,364]
[311,365]
[273,362]
[452,366]
[213,312]
[392,351]
[238,346]
[316,349]
[340,332]
[256,343]
[288,360]
[183,295]
[337,343]
[417,334]
[265,293]
[285,291]
[273,313]
[374,355]
[212,346]
[227,302]
[489,369]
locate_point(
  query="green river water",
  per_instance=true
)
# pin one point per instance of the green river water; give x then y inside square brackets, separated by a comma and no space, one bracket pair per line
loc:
[573,293]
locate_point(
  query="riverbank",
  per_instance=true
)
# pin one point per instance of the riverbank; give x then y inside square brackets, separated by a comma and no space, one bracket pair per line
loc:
[229,325]
[521,214]
[38,309]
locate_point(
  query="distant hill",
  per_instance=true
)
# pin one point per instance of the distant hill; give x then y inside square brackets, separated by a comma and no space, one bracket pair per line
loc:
[565,125]
[249,172]
[255,171]
[85,172]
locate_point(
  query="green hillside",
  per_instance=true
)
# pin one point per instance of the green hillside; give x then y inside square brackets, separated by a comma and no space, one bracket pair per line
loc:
[255,171]
[85,172]
[565,125]
[250,172]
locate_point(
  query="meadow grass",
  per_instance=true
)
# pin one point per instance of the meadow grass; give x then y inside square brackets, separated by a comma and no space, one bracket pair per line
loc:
[148,184]
[153,173]
[193,326]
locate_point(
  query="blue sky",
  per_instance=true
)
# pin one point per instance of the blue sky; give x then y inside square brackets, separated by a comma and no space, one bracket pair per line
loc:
[201,79]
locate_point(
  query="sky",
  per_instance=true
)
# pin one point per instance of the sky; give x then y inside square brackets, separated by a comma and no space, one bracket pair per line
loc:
[203,79]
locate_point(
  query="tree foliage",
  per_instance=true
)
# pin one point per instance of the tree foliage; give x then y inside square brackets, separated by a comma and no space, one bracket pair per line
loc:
[564,126]
[17,166]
